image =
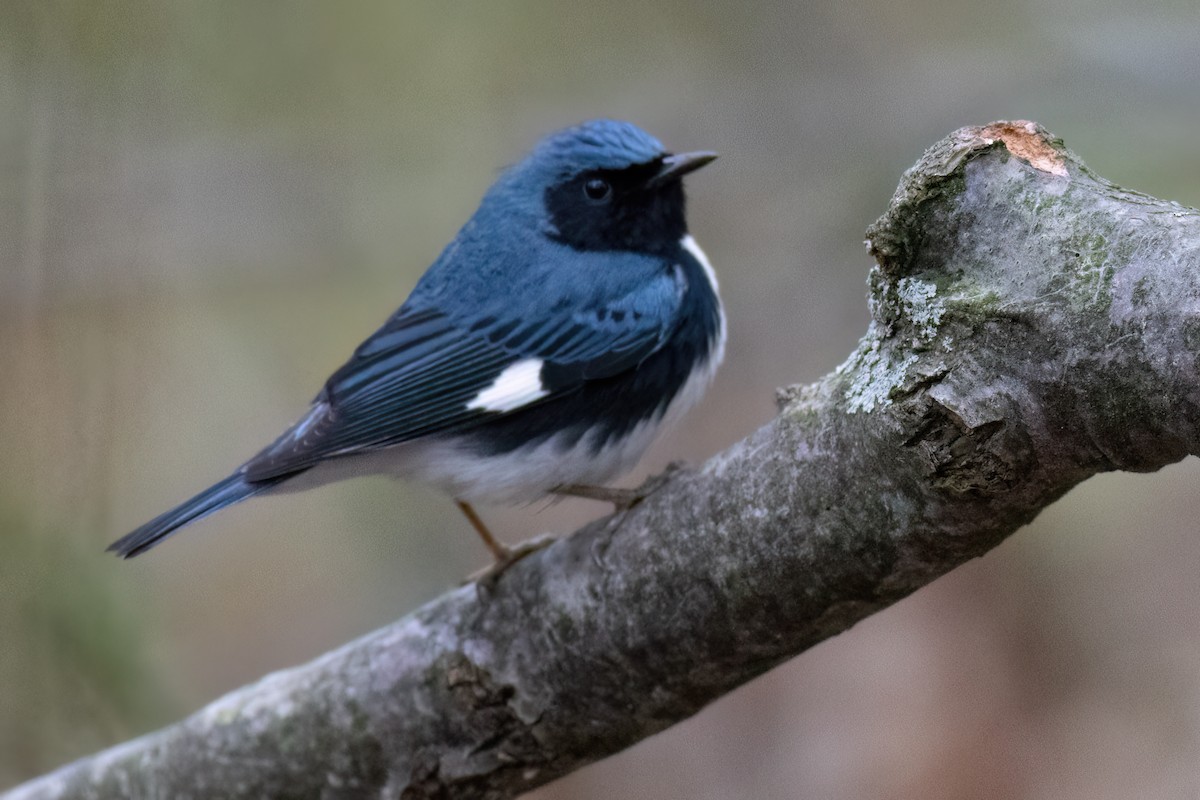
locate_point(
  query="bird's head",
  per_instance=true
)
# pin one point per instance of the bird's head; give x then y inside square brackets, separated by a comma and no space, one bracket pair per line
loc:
[603,185]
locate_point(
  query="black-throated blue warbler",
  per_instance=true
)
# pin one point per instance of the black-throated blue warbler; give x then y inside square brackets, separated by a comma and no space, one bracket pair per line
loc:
[568,320]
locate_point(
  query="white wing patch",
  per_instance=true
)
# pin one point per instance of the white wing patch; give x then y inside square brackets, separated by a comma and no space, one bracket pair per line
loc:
[519,385]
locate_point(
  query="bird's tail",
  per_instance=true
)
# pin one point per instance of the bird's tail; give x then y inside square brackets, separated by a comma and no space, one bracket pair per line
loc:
[233,489]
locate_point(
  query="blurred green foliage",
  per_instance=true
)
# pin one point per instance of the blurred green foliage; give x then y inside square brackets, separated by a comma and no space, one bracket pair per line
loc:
[74,668]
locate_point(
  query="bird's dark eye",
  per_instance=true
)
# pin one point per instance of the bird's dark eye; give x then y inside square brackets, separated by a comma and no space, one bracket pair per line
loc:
[597,190]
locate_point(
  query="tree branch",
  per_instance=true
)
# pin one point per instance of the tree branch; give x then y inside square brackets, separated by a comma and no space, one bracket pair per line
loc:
[1032,325]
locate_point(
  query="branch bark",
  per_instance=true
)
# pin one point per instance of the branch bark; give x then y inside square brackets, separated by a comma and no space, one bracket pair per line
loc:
[1033,325]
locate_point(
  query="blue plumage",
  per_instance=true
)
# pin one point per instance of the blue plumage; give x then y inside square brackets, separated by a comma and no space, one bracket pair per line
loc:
[567,320]
[223,494]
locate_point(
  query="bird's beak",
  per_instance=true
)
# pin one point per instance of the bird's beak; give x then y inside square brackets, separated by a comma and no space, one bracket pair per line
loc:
[675,167]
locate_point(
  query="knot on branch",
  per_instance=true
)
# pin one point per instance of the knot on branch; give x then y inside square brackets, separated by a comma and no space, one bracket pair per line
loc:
[987,456]
[493,738]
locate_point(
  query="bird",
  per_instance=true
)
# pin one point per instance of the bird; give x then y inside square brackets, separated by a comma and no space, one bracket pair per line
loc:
[570,320]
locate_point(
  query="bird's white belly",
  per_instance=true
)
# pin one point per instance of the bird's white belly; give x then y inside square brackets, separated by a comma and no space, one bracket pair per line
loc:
[529,472]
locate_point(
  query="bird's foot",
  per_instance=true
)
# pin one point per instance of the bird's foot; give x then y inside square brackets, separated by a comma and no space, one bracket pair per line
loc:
[622,499]
[505,557]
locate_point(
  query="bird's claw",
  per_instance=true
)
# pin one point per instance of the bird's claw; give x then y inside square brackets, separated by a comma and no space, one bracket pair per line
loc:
[654,483]
[486,578]
[622,499]
[625,499]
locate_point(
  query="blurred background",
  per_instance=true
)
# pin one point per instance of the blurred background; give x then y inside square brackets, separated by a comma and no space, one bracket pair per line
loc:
[205,207]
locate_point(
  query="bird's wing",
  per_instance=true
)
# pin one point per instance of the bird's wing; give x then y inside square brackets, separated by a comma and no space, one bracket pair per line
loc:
[425,372]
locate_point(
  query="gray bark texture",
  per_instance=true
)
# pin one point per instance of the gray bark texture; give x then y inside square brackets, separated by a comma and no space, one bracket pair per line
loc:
[1032,325]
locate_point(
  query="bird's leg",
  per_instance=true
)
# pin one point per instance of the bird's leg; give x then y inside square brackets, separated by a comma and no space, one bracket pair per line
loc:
[622,499]
[499,551]
[504,556]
